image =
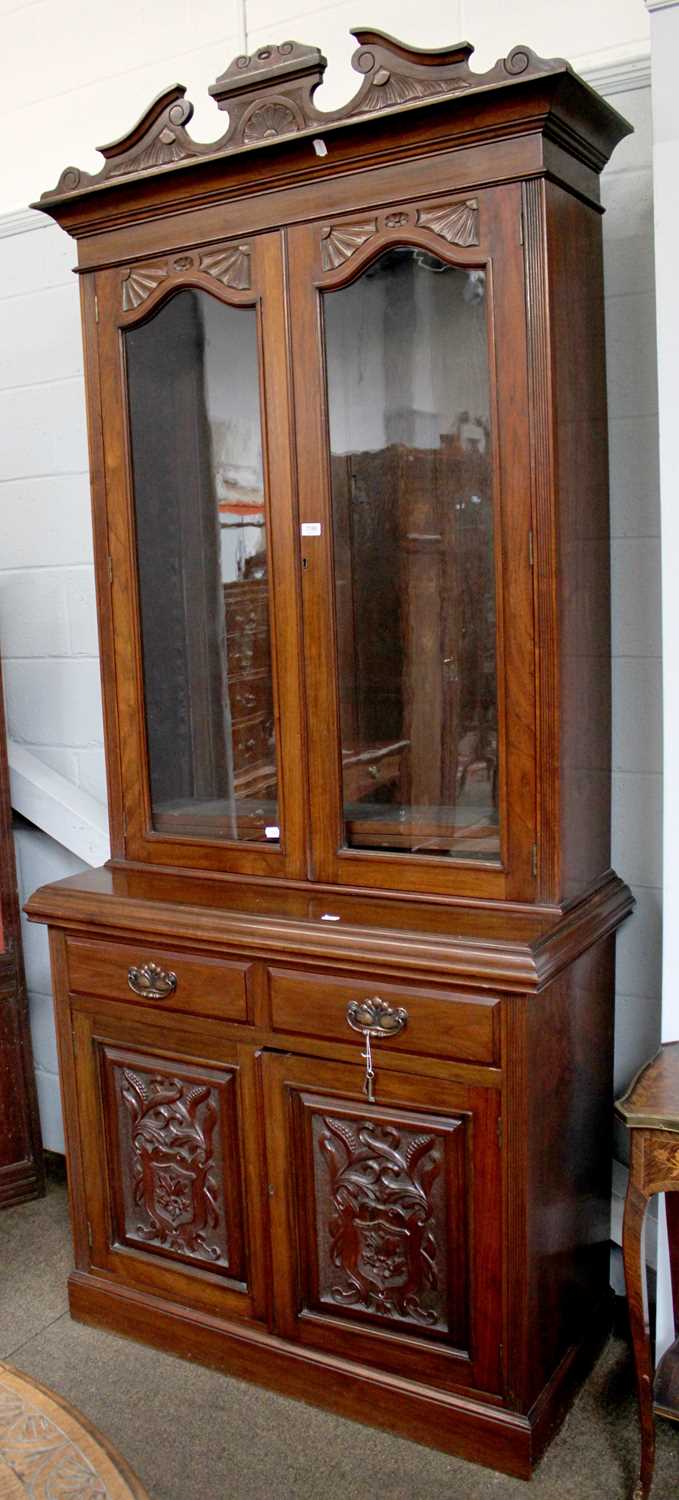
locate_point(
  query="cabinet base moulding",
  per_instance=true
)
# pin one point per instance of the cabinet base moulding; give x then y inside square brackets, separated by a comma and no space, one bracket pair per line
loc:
[465,1427]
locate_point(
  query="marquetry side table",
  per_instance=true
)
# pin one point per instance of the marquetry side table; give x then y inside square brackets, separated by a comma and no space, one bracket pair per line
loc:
[650,1109]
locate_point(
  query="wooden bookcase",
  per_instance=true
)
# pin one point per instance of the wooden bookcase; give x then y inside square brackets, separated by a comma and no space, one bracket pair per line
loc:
[336,1019]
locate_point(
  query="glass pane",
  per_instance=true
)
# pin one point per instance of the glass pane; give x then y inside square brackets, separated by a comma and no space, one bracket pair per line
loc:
[193,384]
[412,496]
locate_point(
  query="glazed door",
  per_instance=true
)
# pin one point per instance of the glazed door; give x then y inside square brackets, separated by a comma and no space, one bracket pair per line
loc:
[412,421]
[386,1220]
[170,1161]
[204,596]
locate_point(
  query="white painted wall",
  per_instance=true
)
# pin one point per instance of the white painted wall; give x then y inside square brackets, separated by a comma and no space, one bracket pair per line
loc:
[665,59]
[71,81]
[47,618]
[627,193]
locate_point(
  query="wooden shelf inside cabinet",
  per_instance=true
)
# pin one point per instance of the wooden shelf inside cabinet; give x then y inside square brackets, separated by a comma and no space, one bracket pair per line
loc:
[341,1004]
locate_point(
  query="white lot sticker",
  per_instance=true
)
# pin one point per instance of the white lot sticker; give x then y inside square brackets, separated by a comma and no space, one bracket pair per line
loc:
[272,832]
[310,528]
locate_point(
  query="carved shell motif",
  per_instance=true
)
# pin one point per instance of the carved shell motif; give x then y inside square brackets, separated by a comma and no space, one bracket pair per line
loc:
[139,283]
[388,89]
[458,223]
[159,153]
[231,267]
[341,241]
[267,121]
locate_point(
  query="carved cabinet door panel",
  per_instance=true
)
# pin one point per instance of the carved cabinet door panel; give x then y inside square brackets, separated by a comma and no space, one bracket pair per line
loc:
[168,1159]
[386,1219]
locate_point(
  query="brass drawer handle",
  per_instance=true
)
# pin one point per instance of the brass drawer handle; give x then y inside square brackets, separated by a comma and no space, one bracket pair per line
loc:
[151,982]
[374,1018]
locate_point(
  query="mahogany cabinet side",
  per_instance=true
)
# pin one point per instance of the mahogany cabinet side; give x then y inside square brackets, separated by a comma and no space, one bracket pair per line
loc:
[569,447]
[569,1139]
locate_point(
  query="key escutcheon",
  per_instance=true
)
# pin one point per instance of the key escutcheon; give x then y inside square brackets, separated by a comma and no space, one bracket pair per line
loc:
[376,1017]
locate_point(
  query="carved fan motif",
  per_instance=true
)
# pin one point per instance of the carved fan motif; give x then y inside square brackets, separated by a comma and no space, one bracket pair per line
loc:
[397,88]
[458,223]
[139,283]
[267,121]
[341,241]
[159,153]
[231,267]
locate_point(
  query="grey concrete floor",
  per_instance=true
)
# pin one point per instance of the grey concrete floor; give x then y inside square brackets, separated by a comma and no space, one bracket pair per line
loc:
[194,1435]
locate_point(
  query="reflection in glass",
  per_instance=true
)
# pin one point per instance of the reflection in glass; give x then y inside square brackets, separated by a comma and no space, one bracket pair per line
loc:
[193,387]
[412,496]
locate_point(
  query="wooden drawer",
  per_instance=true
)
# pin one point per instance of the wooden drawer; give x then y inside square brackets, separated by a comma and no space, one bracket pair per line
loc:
[204,986]
[251,743]
[250,695]
[249,652]
[439,1024]
[246,606]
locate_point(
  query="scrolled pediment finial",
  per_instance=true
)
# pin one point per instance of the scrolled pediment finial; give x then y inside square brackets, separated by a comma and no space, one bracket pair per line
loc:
[269,95]
[158,139]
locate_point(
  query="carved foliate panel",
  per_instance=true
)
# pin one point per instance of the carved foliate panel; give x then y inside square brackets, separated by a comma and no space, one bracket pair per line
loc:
[174,1160]
[383,1194]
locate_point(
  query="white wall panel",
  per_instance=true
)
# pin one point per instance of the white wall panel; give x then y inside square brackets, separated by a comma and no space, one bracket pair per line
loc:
[43,430]
[54,345]
[33,613]
[53,702]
